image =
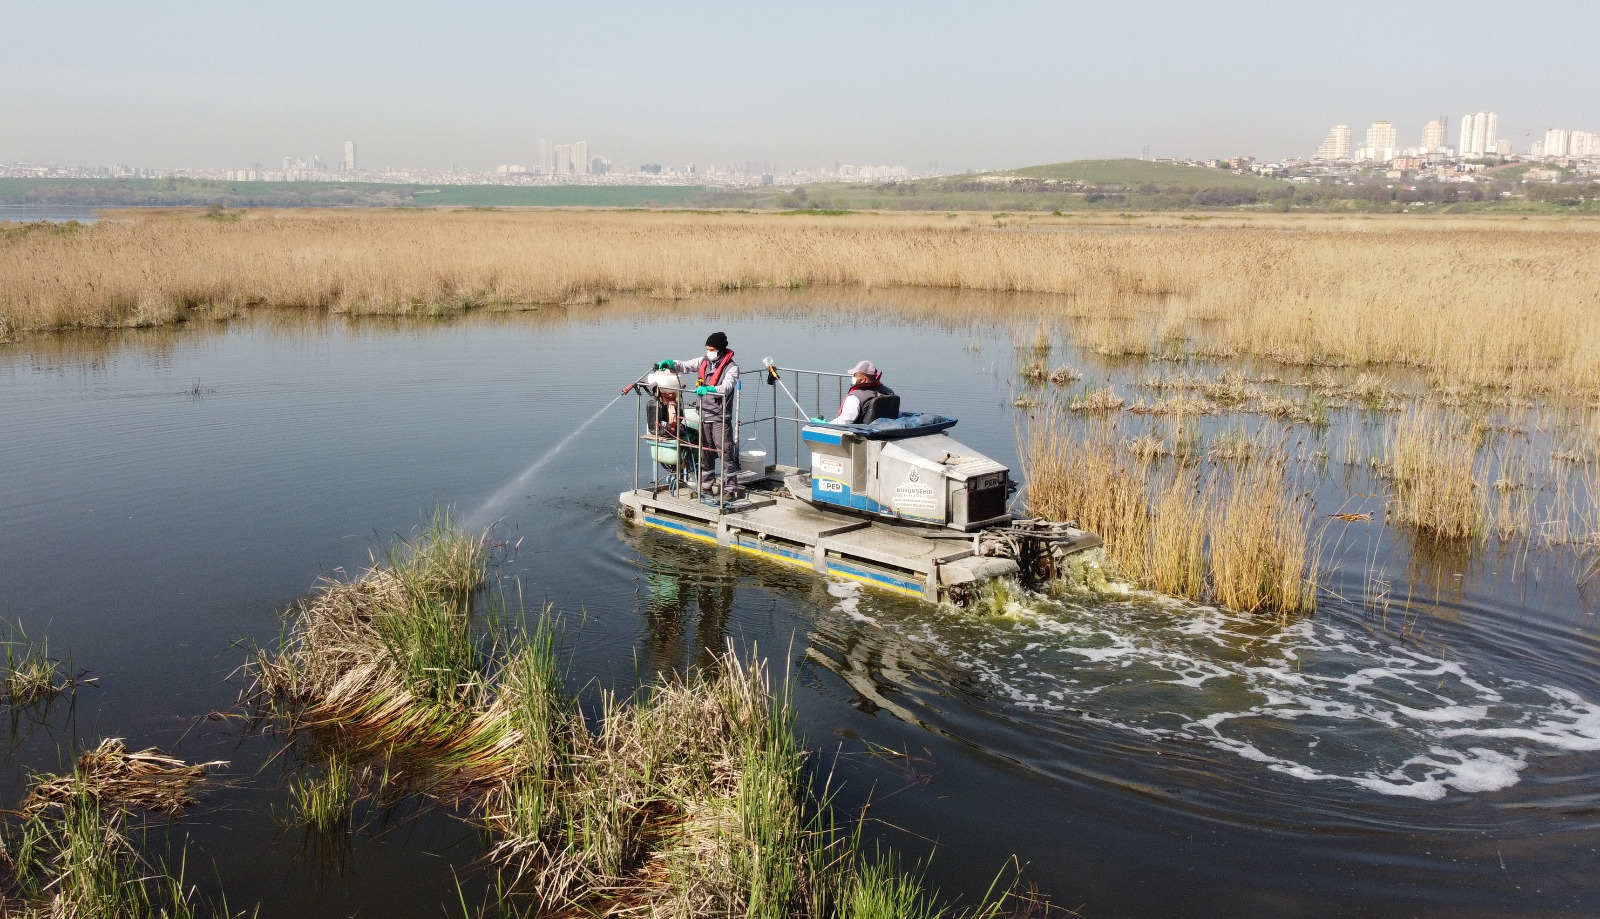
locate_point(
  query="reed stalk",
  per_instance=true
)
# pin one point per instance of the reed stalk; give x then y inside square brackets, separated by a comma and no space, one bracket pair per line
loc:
[75,852]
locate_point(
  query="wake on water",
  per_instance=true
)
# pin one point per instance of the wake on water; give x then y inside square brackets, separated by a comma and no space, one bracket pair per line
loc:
[491,509]
[1316,700]
[1426,725]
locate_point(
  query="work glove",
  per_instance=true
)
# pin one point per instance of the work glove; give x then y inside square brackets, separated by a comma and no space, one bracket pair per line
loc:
[818,421]
[664,365]
[703,390]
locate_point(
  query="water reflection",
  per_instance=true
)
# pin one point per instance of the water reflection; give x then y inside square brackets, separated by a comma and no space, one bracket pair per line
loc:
[689,597]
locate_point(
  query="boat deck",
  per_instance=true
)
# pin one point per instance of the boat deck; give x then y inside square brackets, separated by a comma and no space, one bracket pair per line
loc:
[914,561]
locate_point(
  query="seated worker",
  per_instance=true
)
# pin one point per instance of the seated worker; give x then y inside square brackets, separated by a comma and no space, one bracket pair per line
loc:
[868,388]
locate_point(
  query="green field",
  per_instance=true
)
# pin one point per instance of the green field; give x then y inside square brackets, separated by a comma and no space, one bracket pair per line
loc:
[1137,172]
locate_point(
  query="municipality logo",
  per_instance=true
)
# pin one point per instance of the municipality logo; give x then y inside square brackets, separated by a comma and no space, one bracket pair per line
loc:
[913,477]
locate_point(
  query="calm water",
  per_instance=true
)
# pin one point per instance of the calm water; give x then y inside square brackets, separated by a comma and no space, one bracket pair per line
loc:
[165,495]
[46,213]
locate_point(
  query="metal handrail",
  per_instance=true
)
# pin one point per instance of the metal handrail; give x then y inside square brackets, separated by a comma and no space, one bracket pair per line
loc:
[797,382]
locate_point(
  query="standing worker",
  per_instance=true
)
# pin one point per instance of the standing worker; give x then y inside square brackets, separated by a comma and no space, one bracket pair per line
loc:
[716,377]
[867,388]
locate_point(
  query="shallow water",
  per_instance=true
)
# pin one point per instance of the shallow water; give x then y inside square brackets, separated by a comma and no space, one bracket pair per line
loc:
[164,495]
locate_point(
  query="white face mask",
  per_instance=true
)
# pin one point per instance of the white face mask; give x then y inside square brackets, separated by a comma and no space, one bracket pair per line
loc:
[711,355]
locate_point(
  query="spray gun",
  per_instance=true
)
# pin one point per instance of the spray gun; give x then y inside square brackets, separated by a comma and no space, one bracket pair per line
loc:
[629,388]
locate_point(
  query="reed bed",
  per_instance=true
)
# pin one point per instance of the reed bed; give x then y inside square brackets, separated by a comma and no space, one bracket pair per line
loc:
[1472,301]
[1239,537]
[690,798]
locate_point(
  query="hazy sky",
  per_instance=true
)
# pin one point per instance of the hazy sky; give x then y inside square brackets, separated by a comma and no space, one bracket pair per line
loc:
[175,83]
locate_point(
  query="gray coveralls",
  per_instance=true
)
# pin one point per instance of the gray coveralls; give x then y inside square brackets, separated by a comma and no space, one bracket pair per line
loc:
[717,428]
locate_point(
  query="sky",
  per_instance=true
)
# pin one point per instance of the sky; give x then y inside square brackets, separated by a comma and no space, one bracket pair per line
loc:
[998,84]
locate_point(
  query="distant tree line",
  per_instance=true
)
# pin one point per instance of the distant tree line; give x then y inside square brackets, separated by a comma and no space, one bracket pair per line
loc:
[205,192]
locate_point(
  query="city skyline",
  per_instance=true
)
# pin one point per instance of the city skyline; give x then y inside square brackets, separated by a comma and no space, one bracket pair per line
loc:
[703,82]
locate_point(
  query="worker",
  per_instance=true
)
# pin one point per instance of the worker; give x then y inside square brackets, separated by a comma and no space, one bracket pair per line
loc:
[868,388]
[716,377]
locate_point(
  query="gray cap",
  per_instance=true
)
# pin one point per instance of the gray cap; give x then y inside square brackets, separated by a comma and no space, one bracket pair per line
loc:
[865,367]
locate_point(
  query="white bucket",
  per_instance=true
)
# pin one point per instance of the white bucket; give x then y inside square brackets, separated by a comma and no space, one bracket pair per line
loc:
[753,459]
[691,418]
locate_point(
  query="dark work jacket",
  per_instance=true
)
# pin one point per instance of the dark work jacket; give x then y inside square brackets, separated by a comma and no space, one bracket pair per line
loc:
[866,394]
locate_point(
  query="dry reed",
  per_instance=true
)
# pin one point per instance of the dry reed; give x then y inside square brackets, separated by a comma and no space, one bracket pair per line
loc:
[75,853]
[1484,300]
[1431,458]
[113,776]
[1239,538]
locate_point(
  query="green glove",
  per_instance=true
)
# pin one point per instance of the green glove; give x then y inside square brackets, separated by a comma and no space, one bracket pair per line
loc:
[702,390]
[818,421]
[664,365]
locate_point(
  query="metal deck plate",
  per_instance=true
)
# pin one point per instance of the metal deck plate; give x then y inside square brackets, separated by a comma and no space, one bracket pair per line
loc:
[793,521]
[895,547]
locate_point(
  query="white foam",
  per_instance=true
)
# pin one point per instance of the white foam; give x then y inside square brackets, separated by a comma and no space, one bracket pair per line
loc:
[1320,703]
[849,596]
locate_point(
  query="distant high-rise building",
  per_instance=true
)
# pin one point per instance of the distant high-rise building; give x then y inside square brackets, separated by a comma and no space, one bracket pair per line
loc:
[563,159]
[1380,142]
[349,156]
[1478,132]
[1557,142]
[1336,146]
[547,157]
[580,158]
[1502,147]
[1433,135]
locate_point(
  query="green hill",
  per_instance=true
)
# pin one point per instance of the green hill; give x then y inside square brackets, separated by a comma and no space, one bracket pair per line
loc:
[1129,173]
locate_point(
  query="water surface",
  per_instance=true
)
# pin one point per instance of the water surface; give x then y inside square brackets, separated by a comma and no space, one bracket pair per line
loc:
[164,495]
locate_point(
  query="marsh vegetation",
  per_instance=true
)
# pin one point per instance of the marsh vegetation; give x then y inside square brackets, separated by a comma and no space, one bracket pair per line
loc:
[1475,301]
[78,845]
[691,798]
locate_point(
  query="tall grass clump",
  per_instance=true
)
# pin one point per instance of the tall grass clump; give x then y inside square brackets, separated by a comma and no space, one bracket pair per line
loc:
[76,851]
[1430,457]
[689,798]
[1080,475]
[1261,555]
[31,674]
[1238,537]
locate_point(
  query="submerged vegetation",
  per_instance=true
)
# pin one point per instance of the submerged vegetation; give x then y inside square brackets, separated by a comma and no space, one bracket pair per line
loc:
[691,798]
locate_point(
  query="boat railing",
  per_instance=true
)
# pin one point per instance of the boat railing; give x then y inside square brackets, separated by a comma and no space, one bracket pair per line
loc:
[780,398]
